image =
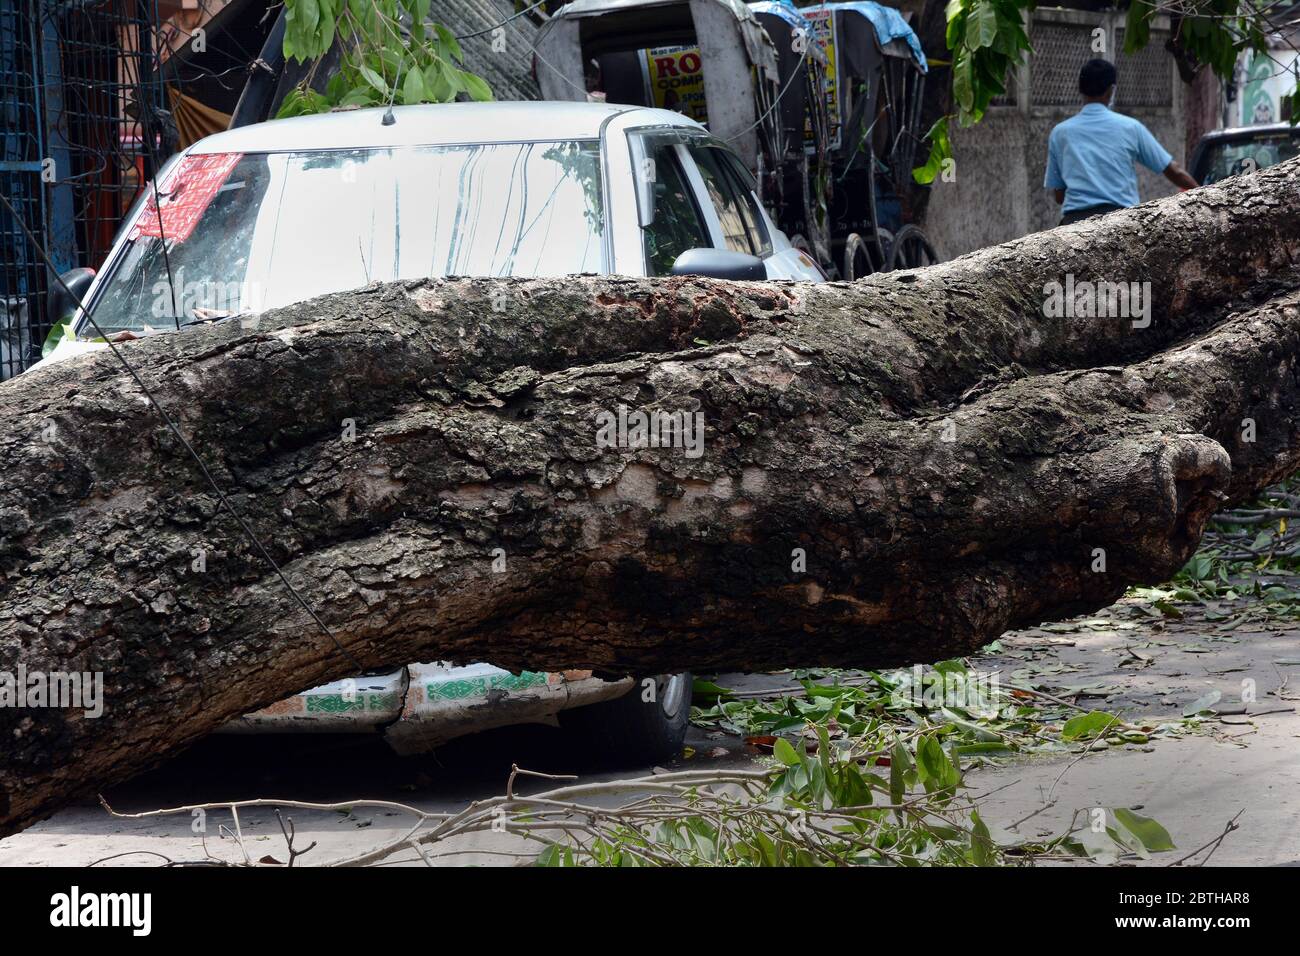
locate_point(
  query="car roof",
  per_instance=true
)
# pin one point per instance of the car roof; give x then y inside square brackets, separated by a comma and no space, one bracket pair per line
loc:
[432,125]
[1245,132]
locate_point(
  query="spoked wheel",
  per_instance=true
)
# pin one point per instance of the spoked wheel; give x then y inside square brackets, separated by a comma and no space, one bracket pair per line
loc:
[862,256]
[911,250]
[816,234]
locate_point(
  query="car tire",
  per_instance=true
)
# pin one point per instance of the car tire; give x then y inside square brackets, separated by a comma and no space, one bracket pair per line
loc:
[630,730]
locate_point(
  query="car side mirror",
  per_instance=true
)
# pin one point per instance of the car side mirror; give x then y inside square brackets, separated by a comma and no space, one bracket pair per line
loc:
[719,264]
[60,302]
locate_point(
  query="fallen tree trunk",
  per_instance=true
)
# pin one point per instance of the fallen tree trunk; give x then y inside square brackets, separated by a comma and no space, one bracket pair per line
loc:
[894,470]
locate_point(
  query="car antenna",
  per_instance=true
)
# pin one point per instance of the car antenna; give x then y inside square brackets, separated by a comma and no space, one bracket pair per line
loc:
[389,119]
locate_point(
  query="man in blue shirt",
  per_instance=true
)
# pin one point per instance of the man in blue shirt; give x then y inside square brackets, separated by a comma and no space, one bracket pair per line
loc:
[1090,156]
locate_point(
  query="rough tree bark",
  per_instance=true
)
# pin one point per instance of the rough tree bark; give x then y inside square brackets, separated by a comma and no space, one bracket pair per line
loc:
[476,404]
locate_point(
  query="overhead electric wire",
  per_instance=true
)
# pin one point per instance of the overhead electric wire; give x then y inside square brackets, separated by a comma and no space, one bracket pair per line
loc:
[171,425]
[496,26]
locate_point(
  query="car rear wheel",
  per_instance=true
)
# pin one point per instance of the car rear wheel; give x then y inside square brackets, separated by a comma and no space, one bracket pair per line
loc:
[645,725]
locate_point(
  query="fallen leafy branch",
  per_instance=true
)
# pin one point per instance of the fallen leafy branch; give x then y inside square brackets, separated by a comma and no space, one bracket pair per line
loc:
[867,777]
[891,470]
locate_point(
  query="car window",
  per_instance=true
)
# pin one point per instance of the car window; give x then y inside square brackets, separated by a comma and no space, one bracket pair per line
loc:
[1232,158]
[748,202]
[244,233]
[742,227]
[677,225]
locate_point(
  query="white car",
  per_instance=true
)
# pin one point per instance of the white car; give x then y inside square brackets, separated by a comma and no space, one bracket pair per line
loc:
[278,212]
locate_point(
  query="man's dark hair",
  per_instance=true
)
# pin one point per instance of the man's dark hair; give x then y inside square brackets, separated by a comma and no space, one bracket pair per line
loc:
[1096,77]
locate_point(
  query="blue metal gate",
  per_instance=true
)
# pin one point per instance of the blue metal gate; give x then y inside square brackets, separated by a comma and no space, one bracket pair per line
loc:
[84,125]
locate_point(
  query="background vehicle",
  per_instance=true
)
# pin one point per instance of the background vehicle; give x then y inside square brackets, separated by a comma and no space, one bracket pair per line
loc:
[274,213]
[752,75]
[1230,152]
[707,59]
[875,92]
[804,170]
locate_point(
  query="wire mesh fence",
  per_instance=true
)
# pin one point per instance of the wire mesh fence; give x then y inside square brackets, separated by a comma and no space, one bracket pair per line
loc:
[1145,78]
[84,128]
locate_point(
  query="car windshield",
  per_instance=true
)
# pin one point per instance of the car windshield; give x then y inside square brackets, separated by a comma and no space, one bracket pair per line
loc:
[1231,158]
[247,232]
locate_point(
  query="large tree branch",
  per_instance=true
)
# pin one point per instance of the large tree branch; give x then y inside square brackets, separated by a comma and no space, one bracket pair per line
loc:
[893,470]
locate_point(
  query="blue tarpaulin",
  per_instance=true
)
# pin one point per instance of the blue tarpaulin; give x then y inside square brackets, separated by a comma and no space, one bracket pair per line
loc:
[783,9]
[889,25]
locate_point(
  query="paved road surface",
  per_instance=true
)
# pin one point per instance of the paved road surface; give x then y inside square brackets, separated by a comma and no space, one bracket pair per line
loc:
[1135,664]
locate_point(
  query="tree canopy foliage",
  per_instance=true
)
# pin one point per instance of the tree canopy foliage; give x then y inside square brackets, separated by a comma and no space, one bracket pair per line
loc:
[388,53]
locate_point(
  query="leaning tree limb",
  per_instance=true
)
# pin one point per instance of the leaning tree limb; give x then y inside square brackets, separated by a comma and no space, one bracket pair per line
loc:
[893,470]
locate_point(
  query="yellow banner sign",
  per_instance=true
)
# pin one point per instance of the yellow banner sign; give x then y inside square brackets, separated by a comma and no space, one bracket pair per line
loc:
[823,34]
[674,78]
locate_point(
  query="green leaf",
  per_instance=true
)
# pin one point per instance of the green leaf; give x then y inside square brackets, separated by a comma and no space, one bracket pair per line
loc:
[1088,726]
[449,43]
[360,96]
[1137,25]
[963,80]
[476,87]
[981,843]
[336,88]
[1153,836]
[308,13]
[983,747]
[302,102]
[57,334]
[374,79]
[549,856]
[930,759]
[700,688]
[900,762]
[785,753]
[325,31]
[940,149]
[981,26]
[436,83]
[413,87]
[938,773]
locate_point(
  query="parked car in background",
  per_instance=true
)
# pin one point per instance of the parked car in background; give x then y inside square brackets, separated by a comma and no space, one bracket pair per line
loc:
[274,213]
[1231,152]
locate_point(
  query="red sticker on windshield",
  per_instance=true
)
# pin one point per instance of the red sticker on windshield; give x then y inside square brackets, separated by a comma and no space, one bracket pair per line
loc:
[185,196]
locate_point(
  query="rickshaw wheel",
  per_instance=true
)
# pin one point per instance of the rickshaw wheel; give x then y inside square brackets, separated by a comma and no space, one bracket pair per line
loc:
[817,237]
[861,257]
[911,250]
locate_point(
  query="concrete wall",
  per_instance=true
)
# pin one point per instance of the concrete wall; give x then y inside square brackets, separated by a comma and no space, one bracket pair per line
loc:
[504,56]
[996,192]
